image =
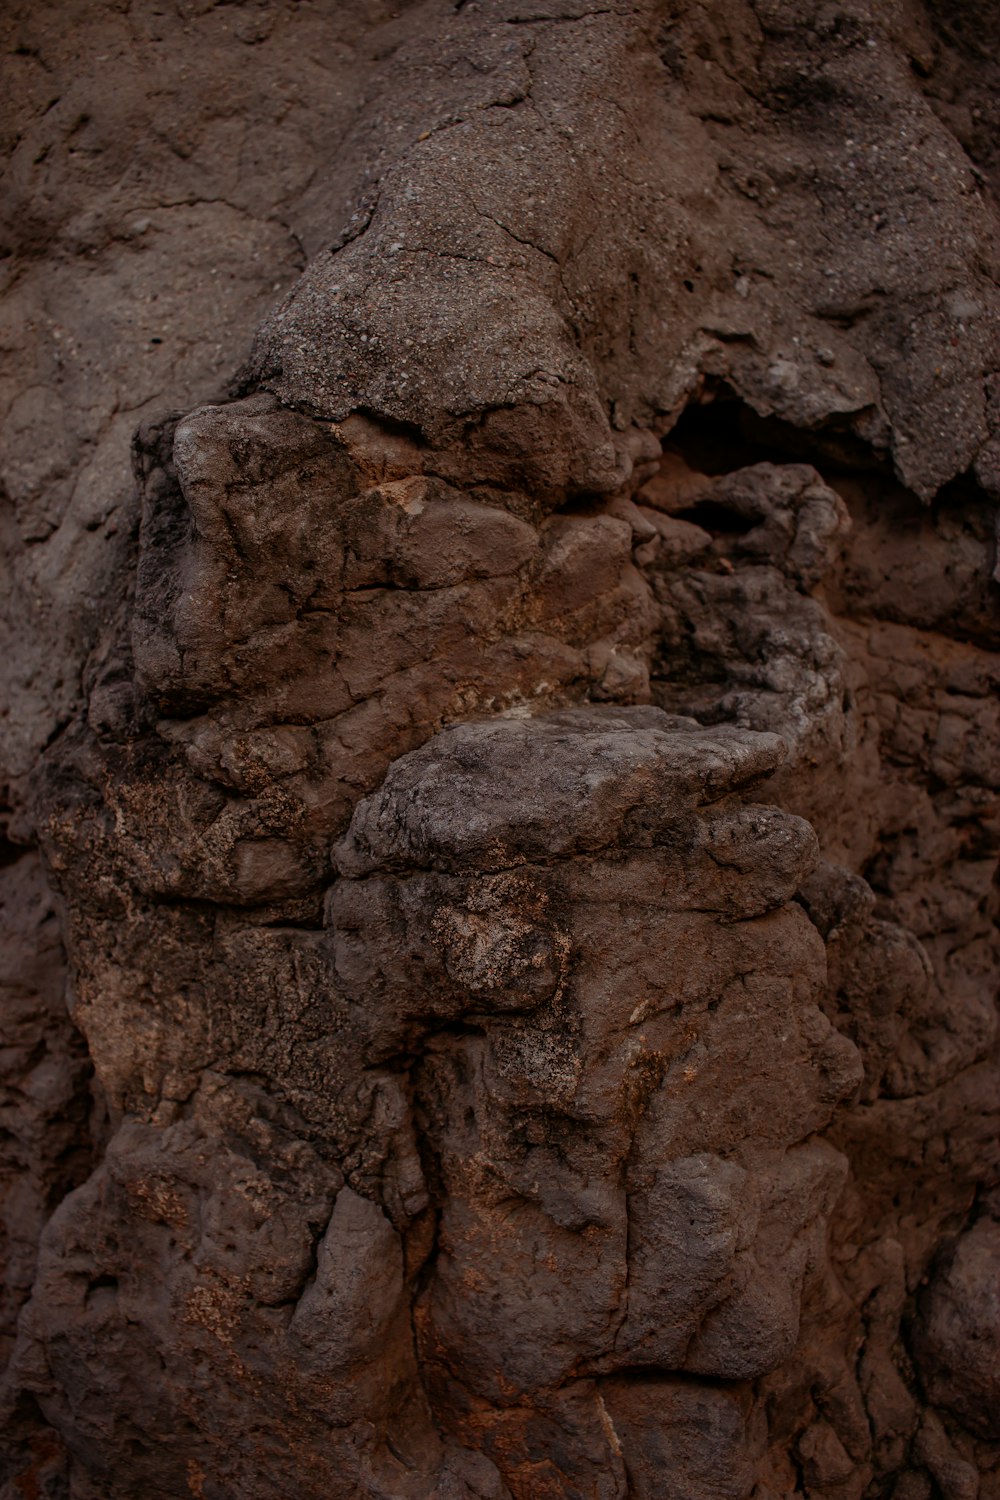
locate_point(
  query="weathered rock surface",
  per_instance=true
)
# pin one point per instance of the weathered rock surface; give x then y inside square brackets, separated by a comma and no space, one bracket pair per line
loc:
[517,778]
[958,1340]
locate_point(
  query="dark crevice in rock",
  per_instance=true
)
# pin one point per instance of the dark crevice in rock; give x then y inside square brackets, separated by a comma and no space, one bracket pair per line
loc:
[720,432]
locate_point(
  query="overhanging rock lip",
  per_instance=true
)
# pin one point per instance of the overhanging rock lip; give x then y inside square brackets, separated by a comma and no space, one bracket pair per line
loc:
[489,794]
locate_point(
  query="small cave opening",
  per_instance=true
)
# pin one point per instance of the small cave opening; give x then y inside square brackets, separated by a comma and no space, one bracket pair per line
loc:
[704,649]
[721,432]
[718,519]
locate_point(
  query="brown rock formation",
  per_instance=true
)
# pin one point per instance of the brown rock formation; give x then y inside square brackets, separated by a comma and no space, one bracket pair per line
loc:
[518,779]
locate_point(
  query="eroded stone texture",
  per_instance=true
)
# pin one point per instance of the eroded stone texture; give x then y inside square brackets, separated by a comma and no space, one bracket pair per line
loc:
[46,1106]
[524,810]
[958,1341]
[587,1033]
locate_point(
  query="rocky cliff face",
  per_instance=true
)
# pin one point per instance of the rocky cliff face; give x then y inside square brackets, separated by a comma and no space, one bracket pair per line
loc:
[501,817]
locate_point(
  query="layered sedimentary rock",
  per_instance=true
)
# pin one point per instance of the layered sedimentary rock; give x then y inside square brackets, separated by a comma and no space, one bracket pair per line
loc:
[523,815]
